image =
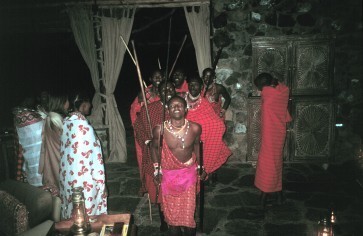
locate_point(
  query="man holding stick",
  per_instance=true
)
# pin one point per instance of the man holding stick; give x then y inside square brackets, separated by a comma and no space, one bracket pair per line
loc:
[215,150]
[177,163]
[151,95]
[143,137]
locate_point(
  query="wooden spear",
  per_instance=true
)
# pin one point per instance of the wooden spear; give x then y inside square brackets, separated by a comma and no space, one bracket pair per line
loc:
[177,56]
[132,58]
[142,88]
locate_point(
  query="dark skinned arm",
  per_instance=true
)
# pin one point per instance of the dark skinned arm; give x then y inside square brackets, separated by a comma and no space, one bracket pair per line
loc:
[227,98]
[155,153]
[196,150]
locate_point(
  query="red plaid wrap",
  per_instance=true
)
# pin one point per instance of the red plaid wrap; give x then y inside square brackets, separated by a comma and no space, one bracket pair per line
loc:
[215,151]
[274,115]
[179,208]
[142,133]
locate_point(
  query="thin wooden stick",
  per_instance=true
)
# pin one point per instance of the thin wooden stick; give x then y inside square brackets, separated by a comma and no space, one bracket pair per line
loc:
[142,88]
[177,56]
[128,49]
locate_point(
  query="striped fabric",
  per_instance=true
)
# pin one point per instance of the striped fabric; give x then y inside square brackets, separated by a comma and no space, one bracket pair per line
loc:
[274,115]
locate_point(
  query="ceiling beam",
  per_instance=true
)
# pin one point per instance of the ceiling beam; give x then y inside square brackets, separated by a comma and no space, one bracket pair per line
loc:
[17,4]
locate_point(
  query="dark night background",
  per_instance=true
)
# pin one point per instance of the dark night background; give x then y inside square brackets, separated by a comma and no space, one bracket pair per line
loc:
[32,62]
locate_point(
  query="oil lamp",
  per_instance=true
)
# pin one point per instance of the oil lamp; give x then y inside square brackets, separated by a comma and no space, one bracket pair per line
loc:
[79,216]
[324,229]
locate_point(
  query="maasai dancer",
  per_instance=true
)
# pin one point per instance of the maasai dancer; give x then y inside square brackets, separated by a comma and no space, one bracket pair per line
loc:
[151,95]
[29,125]
[81,162]
[215,93]
[274,116]
[58,105]
[179,79]
[176,169]
[143,136]
[215,151]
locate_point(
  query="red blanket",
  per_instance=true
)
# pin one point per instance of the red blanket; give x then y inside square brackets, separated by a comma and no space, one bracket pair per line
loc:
[215,151]
[179,181]
[134,112]
[142,133]
[274,115]
[183,88]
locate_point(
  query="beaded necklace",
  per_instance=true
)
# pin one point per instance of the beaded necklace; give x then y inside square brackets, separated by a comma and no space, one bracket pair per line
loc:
[169,127]
[193,105]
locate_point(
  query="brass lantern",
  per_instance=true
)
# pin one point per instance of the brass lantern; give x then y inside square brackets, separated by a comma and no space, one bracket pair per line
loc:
[81,225]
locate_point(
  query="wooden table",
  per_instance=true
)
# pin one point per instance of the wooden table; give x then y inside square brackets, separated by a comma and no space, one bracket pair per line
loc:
[63,227]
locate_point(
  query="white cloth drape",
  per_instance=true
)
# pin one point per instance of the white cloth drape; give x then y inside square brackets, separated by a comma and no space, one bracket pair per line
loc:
[82,28]
[199,27]
[113,55]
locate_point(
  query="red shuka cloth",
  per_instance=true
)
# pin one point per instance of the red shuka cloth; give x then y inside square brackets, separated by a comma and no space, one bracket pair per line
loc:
[136,105]
[274,115]
[183,88]
[179,205]
[142,132]
[215,151]
[134,112]
[217,106]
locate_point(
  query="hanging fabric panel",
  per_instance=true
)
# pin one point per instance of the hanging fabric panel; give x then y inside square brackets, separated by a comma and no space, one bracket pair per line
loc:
[119,24]
[198,19]
[82,27]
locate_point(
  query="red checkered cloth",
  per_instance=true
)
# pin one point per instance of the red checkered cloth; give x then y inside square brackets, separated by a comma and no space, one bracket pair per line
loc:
[134,112]
[142,133]
[217,107]
[183,88]
[274,115]
[179,205]
[215,151]
[136,105]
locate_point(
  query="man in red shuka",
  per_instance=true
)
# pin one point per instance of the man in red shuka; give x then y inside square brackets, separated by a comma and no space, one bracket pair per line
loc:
[215,150]
[143,136]
[274,116]
[151,95]
[176,167]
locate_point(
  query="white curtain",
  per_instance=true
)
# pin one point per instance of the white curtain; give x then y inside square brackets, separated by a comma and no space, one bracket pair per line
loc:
[82,28]
[113,56]
[199,27]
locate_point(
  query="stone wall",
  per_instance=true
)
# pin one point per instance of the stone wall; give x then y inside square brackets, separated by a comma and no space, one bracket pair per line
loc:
[236,21]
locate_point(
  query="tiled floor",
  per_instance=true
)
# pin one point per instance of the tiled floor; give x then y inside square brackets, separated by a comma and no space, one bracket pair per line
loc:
[232,204]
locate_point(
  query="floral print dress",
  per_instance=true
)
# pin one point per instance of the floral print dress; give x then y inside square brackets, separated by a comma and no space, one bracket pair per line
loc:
[81,165]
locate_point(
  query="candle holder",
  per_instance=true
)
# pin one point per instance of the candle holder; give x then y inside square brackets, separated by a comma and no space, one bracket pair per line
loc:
[81,225]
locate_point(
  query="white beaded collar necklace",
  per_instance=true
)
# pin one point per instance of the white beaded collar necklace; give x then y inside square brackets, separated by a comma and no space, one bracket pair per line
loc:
[169,127]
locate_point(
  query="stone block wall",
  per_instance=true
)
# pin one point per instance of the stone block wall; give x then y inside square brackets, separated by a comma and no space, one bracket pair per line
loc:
[235,22]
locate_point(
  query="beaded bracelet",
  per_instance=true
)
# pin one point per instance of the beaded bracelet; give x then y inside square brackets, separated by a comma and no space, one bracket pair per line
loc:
[157,169]
[157,172]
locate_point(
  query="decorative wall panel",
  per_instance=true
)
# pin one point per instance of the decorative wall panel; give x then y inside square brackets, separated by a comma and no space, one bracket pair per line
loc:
[305,65]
